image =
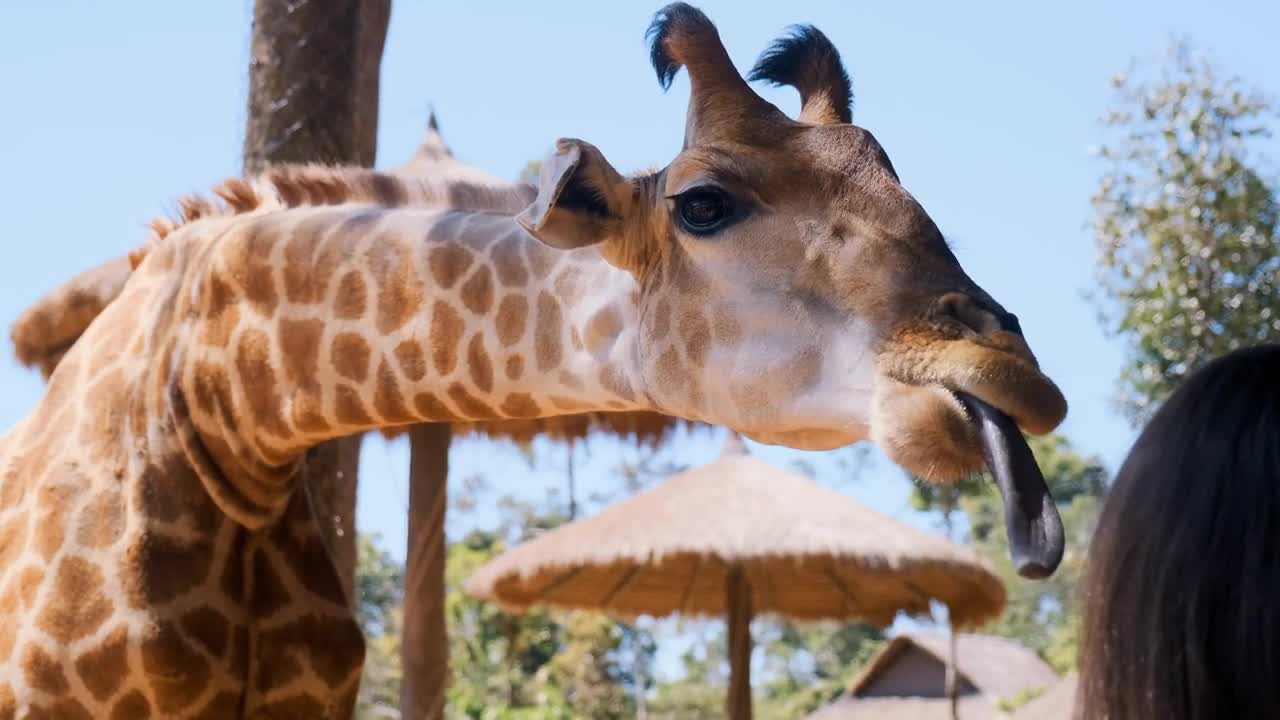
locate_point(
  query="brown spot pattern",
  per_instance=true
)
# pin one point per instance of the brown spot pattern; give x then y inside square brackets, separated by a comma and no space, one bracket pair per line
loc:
[12,540]
[513,314]
[76,607]
[448,263]
[446,333]
[43,672]
[102,520]
[178,673]
[400,289]
[208,628]
[309,263]
[520,405]
[541,258]
[515,367]
[727,329]
[412,361]
[269,594]
[258,382]
[300,350]
[670,372]
[508,263]
[348,408]
[616,383]
[223,705]
[602,330]
[220,314]
[158,568]
[431,408]
[696,335]
[350,356]
[103,667]
[387,399]
[255,259]
[470,406]
[567,283]
[661,320]
[333,643]
[352,298]
[479,364]
[477,292]
[546,334]
[133,705]
[569,404]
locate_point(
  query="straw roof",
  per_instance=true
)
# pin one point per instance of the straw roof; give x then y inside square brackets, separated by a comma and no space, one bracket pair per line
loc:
[970,707]
[808,552]
[46,331]
[989,669]
[995,666]
[1057,703]
[434,158]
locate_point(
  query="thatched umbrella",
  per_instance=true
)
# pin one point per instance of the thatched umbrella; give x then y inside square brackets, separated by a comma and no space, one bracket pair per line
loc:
[739,537]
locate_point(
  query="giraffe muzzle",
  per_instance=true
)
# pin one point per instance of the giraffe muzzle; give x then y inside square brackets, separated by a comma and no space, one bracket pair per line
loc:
[1031,518]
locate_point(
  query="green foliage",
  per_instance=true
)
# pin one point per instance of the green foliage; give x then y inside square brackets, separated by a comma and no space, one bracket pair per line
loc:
[1185,224]
[1017,701]
[809,665]
[380,588]
[1042,614]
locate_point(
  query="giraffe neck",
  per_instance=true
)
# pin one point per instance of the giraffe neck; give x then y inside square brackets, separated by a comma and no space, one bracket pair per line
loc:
[316,323]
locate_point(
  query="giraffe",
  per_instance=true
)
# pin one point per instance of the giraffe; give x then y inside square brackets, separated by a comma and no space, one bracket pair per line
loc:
[775,277]
[44,332]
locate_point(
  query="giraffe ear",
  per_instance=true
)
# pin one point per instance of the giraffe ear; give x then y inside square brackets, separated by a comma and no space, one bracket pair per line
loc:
[581,198]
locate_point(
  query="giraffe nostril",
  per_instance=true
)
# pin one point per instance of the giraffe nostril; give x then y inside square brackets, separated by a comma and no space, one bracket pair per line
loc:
[968,312]
[1010,323]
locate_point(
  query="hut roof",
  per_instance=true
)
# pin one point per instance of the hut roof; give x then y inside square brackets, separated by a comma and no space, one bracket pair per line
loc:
[991,669]
[971,707]
[1056,703]
[809,552]
[995,666]
[434,158]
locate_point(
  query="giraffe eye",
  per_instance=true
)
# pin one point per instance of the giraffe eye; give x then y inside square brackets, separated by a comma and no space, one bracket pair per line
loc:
[703,210]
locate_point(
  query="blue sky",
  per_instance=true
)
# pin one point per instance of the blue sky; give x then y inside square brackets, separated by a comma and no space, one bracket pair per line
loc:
[987,109]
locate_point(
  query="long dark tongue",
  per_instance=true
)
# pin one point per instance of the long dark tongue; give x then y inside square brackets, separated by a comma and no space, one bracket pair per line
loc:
[1030,517]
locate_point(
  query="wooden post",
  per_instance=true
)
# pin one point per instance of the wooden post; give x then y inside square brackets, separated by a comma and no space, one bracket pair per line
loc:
[952,689]
[313,97]
[424,639]
[738,605]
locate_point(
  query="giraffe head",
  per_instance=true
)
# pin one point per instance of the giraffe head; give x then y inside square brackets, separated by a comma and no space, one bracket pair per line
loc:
[792,289]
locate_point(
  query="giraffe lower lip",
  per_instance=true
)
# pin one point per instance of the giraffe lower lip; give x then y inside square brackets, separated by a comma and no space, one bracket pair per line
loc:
[1031,519]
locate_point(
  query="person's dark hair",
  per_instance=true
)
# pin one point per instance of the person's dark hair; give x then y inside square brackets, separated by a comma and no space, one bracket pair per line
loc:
[1182,586]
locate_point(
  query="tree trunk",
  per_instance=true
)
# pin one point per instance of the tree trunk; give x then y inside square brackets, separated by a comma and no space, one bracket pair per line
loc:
[330,482]
[313,81]
[738,605]
[313,97]
[424,640]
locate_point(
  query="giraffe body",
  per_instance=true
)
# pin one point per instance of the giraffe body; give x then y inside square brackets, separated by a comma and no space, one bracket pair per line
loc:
[775,277]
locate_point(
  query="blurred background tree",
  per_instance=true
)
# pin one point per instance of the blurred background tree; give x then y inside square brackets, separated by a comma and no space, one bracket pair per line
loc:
[1185,223]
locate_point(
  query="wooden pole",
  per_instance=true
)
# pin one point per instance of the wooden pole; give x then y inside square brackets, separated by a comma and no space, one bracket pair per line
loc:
[952,689]
[738,604]
[424,640]
[313,97]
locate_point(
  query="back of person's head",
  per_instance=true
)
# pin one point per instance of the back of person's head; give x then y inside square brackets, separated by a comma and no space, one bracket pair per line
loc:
[1182,588]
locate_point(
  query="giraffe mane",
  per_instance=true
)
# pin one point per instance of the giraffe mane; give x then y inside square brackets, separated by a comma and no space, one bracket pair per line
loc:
[302,185]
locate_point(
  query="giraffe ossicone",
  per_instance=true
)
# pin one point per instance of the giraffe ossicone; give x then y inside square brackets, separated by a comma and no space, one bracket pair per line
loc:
[775,277]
